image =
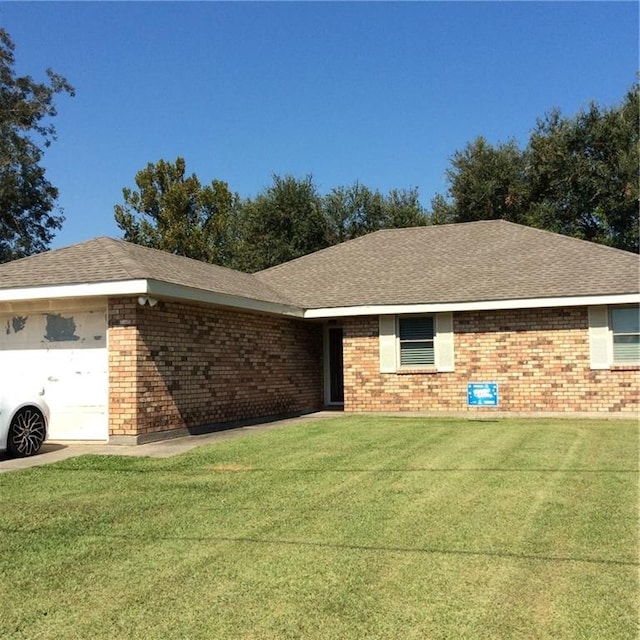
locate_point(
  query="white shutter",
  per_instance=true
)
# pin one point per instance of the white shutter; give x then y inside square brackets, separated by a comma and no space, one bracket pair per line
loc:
[444,342]
[387,343]
[599,337]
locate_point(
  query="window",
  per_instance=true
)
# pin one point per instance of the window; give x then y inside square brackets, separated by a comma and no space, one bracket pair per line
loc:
[416,344]
[416,336]
[625,327]
[614,336]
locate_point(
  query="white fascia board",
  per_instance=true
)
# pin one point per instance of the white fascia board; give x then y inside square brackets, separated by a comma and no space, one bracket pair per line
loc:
[148,288]
[87,290]
[166,290]
[179,292]
[485,305]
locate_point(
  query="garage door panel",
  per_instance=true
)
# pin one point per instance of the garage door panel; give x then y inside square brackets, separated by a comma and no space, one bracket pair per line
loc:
[64,355]
[79,330]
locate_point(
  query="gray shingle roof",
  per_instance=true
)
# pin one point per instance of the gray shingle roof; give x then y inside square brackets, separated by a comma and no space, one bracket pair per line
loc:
[108,260]
[470,262]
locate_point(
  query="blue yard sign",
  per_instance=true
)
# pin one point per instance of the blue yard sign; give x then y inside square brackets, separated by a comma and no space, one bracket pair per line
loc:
[482,394]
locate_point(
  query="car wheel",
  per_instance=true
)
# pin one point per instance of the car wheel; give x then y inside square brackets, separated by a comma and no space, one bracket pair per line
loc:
[26,432]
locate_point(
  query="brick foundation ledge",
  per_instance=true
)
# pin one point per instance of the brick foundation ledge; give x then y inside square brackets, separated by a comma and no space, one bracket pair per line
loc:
[491,413]
[157,436]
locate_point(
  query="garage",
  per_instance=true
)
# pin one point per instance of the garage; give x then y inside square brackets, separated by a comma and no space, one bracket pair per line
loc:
[62,352]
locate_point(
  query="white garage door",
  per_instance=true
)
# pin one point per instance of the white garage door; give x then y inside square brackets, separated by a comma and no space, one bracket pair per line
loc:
[63,353]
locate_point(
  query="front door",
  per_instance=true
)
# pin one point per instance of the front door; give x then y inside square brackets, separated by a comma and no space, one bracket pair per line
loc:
[336,374]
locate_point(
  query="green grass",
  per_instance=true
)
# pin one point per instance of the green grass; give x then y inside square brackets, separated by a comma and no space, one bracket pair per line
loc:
[348,528]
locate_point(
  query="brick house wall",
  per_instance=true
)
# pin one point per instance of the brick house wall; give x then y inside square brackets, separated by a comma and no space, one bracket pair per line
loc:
[539,357]
[177,366]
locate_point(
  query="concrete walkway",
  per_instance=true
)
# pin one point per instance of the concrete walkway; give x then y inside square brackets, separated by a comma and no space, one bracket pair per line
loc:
[55,450]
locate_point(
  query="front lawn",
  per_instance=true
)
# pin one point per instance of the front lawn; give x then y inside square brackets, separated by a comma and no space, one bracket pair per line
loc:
[353,527]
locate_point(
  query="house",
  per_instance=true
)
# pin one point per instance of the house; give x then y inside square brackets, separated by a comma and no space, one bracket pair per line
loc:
[131,344]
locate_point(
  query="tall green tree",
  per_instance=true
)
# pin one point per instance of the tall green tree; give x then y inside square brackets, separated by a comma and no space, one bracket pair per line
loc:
[285,221]
[356,210]
[28,218]
[486,182]
[176,213]
[353,211]
[584,173]
[577,176]
[404,209]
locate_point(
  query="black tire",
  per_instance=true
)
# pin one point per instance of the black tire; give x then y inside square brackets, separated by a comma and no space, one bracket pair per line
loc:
[26,432]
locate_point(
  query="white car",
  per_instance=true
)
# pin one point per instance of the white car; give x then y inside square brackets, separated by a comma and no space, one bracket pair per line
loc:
[24,421]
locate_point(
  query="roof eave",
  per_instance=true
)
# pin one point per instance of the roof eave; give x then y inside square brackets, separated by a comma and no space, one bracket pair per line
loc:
[189,294]
[481,305]
[155,288]
[140,287]
[80,290]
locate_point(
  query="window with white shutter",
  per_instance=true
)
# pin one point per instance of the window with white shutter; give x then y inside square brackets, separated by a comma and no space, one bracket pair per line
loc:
[614,336]
[416,342]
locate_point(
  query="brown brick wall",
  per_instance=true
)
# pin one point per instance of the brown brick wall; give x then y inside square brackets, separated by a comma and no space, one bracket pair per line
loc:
[123,345]
[539,357]
[178,365]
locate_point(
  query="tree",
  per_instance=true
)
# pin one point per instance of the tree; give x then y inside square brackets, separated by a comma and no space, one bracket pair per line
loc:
[353,211]
[28,219]
[356,210]
[485,183]
[283,222]
[403,209]
[584,173]
[577,176]
[177,214]
[288,219]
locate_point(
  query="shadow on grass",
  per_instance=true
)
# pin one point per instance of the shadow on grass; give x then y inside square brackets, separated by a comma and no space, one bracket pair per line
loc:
[129,467]
[354,547]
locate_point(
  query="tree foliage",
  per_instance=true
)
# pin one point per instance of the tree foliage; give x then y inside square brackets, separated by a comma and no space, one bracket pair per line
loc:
[28,219]
[356,210]
[584,174]
[175,213]
[288,219]
[283,222]
[577,176]
[485,183]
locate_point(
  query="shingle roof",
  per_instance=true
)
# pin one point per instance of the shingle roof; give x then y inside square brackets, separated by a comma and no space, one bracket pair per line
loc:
[108,260]
[470,262]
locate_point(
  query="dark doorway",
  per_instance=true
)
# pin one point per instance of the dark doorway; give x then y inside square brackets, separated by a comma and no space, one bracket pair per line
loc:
[336,373]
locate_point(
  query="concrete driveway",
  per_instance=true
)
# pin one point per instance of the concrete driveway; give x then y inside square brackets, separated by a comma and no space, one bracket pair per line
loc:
[52,451]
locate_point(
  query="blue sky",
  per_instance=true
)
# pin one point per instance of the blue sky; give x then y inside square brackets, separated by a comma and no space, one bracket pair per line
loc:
[383,93]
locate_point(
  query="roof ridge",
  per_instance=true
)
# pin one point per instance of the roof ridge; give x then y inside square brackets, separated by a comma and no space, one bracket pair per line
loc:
[126,261]
[366,236]
[320,251]
[573,239]
[164,252]
[108,245]
[520,225]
